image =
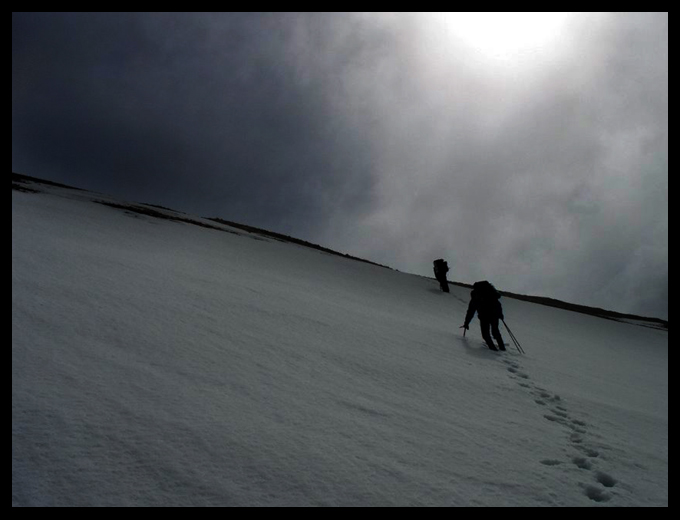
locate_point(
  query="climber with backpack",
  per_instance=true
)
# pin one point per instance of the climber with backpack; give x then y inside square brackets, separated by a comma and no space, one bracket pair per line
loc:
[485,301]
[441,267]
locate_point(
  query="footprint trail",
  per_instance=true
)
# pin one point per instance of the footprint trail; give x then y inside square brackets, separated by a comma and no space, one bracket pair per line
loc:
[585,457]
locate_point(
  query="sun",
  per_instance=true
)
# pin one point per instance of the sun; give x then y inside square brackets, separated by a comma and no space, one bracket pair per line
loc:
[505,38]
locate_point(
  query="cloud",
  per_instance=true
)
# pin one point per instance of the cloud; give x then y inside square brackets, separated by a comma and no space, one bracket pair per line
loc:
[554,182]
[207,112]
[380,135]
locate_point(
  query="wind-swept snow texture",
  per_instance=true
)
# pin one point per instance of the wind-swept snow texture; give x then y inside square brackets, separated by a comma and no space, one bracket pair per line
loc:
[160,363]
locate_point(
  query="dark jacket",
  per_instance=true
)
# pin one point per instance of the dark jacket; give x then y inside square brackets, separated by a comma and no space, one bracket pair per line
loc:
[484,300]
[441,267]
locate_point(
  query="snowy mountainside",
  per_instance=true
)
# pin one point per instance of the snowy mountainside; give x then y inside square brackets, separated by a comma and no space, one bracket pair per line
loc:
[158,362]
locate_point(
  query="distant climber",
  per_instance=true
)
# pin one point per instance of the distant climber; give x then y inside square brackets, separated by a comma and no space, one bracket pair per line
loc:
[441,267]
[485,301]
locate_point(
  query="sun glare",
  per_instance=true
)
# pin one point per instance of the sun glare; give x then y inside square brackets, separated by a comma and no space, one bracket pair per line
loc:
[505,37]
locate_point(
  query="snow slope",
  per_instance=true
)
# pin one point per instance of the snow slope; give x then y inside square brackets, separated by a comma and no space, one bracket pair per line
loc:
[159,363]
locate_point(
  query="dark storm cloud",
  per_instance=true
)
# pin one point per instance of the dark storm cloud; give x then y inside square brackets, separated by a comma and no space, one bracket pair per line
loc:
[210,113]
[377,135]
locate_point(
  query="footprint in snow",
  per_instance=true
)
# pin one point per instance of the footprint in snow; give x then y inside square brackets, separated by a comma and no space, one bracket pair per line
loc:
[560,413]
[605,479]
[589,452]
[582,463]
[515,369]
[596,494]
[511,362]
[576,438]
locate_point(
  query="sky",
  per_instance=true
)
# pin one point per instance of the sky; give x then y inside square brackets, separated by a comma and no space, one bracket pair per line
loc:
[529,149]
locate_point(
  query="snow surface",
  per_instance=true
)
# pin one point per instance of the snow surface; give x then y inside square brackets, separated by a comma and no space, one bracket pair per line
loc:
[157,363]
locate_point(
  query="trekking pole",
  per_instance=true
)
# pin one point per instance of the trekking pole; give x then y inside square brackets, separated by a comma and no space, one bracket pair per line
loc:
[514,339]
[521,348]
[516,343]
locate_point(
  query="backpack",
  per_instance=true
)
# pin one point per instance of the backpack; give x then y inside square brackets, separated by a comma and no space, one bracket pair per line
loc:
[441,266]
[486,291]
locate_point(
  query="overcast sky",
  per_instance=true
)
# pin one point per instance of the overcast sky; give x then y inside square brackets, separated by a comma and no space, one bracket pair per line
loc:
[528,150]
